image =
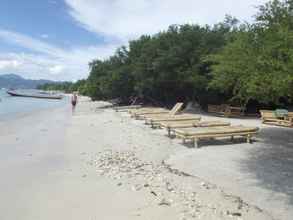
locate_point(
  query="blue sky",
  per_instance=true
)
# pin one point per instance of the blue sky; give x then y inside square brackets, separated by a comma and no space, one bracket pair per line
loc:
[56,39]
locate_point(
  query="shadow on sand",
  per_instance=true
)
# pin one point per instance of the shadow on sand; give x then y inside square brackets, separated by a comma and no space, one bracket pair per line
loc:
[272,162]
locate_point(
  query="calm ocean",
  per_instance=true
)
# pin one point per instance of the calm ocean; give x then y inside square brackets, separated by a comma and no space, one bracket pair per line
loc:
[10,105]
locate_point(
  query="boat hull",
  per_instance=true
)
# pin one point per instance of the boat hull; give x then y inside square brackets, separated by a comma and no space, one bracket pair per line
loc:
[12,93]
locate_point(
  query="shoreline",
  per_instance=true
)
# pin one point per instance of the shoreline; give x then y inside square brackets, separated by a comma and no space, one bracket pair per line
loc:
[65,164]
[27,106]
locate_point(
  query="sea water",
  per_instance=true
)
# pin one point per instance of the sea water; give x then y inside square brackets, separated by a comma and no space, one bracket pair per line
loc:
[11,105]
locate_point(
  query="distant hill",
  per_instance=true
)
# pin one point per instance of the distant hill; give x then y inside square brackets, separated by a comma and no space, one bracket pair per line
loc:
[17,82]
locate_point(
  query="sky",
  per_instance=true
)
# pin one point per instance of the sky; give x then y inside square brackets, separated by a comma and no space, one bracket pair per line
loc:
[56,39]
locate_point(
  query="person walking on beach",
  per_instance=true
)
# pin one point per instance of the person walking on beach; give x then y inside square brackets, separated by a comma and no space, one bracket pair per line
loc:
[73,100]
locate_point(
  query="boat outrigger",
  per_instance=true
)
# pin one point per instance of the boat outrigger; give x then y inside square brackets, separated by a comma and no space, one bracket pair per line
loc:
[36,95]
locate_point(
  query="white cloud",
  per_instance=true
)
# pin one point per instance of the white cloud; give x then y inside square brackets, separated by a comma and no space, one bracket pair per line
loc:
[9,64]
[57,69]
[131,18]
[48,61]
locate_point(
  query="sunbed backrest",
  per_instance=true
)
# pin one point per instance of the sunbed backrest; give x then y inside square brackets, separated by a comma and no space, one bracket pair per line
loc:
[267,114]
[176,108]
[214,108]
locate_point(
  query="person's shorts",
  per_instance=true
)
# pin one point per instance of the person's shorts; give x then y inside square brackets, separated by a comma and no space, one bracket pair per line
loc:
[73,103]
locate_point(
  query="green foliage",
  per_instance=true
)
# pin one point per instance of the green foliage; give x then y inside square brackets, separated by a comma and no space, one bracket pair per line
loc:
[168,66]
[258,63]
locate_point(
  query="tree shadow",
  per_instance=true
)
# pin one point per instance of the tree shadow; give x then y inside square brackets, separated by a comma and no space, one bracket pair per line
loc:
[271,162]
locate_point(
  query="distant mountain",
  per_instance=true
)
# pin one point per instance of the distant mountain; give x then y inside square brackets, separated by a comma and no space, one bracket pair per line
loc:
[17,82]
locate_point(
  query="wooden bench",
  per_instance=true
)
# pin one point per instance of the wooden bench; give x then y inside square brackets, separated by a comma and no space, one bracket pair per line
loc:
[269,117]
[226,110]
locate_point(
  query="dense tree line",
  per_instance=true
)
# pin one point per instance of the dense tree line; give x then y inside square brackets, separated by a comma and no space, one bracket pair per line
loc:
[228,62]
[67,87]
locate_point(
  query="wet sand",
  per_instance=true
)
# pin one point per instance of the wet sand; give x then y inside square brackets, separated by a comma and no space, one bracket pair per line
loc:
[58,166]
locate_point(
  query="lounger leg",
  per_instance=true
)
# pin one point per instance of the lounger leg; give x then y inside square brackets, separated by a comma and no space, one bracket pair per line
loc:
[232,138]
[195,143]
[169,132]
[248,139]
[183,140]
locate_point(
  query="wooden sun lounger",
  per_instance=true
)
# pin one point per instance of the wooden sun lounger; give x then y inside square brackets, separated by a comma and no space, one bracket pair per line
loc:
[270,118]
[170,113]
[226,110]
[170,126]
[155,121]
[132,112]
[173,111]
[126,108]
[196,134]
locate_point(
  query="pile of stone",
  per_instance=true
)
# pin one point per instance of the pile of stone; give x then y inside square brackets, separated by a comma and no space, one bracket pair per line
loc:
[159,181]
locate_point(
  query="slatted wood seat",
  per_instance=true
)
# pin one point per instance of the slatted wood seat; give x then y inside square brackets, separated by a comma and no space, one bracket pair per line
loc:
[145,114]
[126,108]
[196,134]
[170,126]
[155,121]
[226,110]
[133,112]
[269,117]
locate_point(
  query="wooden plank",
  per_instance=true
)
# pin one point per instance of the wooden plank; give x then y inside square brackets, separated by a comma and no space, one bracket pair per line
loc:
[195,139]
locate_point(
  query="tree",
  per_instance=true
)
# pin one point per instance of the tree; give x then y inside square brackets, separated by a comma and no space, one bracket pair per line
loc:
[258,63]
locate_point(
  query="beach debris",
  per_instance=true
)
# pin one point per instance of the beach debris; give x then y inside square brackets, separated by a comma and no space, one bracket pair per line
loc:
[164,202]
[169,187]
[136,188]
[205,185]
[160,181]
[231,214]
[154,178]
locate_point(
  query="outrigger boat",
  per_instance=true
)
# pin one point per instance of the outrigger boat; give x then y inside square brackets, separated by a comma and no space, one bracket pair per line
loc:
[42,95]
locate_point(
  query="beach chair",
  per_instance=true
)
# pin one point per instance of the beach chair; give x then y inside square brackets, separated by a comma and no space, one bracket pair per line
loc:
[126,108]
[226,110]
[215,109]
[170,126]
[159,112]
[142,110]
[233,111]
[155,121]
[270,117]
[196,134]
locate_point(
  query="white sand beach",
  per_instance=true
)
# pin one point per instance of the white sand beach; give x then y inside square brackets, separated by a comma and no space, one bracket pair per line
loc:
[101,164]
